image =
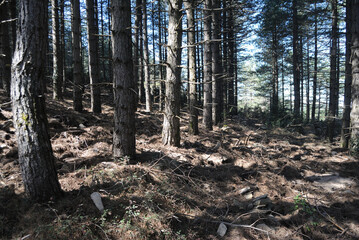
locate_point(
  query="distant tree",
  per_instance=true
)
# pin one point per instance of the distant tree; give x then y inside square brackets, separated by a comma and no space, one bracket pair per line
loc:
[35,154]
[207,66]
[92,36]
[296,67]
[273,30]
[193,123]
[124,142]
[5,50]
[146,58]
[56,52]
[334,80]
[315,73]
[137,54]
[171,121]
[62,43]
[217,93]
[231,80]
[76,55]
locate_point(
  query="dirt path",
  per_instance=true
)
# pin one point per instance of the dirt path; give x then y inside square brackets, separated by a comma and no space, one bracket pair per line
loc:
[259,183]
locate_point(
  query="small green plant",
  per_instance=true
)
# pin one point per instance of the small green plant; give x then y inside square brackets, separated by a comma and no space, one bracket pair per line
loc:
[301,203]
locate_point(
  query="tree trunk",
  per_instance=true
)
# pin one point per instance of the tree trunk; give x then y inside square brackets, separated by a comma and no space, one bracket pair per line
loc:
[334,82]
[161,68]
[124,143]
[345,133]
[146,58]
[76,55]
[136,55]
[308,81]
[296,67]
[92,36]
[230,61]
[275,74]
[207,67]
[315,74]
[171,121]
[217,93]
[62,44]
[56,47]
[193,122]
[225,58]
[35,153]
[301,63]
[354,115]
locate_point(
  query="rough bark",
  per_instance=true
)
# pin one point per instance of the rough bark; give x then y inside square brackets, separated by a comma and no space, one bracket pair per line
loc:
[146,59]
[76,55]
[345,133]
[334,81]
[193,122]
[92,36]
[207,66]
[124,143]
[354,115]
[35,153]
[56,51]
[171,121]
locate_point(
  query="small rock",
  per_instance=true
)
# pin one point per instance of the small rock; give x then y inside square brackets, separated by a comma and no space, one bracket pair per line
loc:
[250,206]
[248,196]
[82,126]
[96,198]
[244,190]
[222,229]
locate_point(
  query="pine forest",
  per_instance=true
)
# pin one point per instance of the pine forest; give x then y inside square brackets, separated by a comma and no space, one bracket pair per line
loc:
[179,119]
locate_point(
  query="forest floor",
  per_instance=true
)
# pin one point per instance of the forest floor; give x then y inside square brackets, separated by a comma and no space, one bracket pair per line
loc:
[242,180]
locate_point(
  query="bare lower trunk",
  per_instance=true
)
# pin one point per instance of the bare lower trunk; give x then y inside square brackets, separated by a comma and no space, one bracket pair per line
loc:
[296,69]
[334,81]
[57,61]
[35,153]
[92,36]
[146,58]
[124,143]
[171,121]
[193,123]
[76,55]
[207,67]
[216,65]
